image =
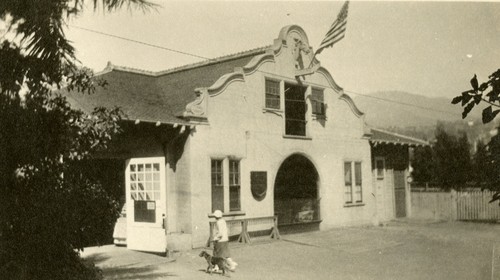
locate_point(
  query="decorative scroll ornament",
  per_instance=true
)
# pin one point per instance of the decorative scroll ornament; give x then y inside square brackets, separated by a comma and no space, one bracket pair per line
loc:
[301,53]
[198,108]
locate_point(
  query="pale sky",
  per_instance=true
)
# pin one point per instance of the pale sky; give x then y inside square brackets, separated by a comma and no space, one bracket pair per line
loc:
[426,48]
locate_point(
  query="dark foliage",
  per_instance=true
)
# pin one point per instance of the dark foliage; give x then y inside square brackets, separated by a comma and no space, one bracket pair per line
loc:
[488,92]
[50,208]
[446,164]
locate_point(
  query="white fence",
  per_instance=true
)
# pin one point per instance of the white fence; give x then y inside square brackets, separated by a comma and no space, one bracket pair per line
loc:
[474,205]
[471,205]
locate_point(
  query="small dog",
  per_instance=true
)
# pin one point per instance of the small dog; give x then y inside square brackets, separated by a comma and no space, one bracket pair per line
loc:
[213,261]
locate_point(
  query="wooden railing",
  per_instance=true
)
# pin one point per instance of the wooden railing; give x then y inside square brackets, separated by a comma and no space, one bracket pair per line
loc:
[244,236]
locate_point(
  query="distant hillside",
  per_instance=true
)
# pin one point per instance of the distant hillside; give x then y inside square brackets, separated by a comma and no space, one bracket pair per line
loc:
[419,119]
[394,113]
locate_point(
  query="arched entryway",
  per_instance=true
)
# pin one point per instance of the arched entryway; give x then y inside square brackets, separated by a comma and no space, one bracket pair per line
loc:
[296,193]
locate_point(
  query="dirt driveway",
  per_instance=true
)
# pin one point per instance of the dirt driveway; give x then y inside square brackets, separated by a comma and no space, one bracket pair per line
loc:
[401,250]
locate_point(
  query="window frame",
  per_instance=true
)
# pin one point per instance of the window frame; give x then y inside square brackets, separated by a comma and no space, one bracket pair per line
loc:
[268,94]
[156,203]
[295,127]
[377,168]
[234,184]
[217,186]
[225,184]
[315,102]
[353,185]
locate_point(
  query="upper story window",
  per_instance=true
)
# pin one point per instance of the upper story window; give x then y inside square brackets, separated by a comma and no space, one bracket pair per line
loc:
[318,102]
[272,94]
[295,110]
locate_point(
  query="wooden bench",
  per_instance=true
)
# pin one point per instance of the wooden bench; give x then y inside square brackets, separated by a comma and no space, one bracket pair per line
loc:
[244,236]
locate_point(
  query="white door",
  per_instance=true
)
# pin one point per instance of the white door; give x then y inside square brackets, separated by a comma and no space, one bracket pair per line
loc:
[146,204]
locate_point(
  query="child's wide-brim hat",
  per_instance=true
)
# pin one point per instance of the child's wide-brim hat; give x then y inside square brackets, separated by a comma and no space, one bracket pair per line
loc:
[217,214]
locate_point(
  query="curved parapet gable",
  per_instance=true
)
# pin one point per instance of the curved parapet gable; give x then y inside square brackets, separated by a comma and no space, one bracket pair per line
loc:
[329,78]
[351,104]
[293,39]
[284,34]
[221,84]
[340,90]
[254,64]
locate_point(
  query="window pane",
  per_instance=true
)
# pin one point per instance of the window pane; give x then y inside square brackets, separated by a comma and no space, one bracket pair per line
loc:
[217,198]
[217,185]
[156,176]
[234,172]
[133,177]
[140,177]
[148,167]
[217,172]
[348,197]
[132,167]
[133,195]
[234,198]
[140,167]
[347,174]
[317,102]
[272,94]
[148,186]
[156,167]
[358,180]
[156,186]
[380,168]
[358,196]
[133,186]
[357,173]
[141,186]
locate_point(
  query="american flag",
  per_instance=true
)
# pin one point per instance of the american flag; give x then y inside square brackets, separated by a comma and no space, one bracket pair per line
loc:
[336,31]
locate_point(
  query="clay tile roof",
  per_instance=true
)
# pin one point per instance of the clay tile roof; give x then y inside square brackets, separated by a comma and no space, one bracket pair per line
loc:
[157,96]
[380,136]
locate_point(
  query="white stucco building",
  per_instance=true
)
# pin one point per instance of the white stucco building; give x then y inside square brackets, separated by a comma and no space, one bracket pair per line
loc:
[254,134]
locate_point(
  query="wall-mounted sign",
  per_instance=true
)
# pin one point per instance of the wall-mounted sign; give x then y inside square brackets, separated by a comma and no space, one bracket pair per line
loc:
[151,205]
[258,184]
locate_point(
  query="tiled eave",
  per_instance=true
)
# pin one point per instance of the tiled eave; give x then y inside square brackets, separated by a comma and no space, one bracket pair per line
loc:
[383,137]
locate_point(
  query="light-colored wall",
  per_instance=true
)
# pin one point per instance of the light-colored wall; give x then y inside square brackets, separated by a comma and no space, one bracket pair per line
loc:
[239,127]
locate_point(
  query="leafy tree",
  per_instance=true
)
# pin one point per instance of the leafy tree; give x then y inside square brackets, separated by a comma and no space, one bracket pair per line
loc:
[447,163]
[463,163]
[423,165]
[488,92]
[494,161]
[482,166]
[49,207]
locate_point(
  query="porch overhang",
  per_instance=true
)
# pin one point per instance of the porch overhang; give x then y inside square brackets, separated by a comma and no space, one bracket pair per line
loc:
[383,137]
